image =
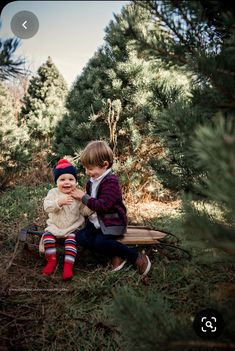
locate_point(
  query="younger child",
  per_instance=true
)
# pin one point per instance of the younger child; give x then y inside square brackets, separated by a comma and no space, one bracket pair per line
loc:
[109,220]
[65,215]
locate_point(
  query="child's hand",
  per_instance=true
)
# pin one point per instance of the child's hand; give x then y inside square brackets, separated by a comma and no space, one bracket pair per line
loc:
[66,200]
[77,194]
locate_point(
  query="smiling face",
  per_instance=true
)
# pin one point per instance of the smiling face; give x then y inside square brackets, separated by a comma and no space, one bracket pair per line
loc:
[96,171]
[66,183]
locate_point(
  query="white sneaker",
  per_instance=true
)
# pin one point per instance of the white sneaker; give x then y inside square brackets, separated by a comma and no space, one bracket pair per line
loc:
[117,263]
[143,264]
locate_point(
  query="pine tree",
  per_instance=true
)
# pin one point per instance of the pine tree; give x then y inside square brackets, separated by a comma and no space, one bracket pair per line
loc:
[201,38]
[13,140]
[44,104]
[84,100]
[198,38]
[9,66]
[113,99]
[147,323]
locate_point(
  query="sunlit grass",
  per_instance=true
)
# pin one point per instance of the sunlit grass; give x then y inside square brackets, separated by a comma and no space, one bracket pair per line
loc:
[78,315]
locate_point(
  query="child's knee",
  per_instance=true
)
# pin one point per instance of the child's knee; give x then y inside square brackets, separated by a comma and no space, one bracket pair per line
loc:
[49,238]
[99,244]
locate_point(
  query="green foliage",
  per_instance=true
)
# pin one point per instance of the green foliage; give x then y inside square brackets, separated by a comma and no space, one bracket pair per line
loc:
[152,326]
[215,147]
[77,127]
[198,38]
[118,97]
[159,314]
[176,126]
[163,319]
[163,84]
[9,66]
[197,132]
[21,204]
[217,232]
[14,153]
[98,307]
[44,104]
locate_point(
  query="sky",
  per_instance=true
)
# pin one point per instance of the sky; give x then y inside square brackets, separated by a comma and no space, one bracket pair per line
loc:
[69,31]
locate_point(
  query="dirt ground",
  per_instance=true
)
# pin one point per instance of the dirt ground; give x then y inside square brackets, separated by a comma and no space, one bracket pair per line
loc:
[149,210]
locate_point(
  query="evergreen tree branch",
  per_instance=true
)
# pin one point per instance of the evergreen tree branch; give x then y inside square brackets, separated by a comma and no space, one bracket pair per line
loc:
[193,28]
[153,5]
[9,67]
[180,58]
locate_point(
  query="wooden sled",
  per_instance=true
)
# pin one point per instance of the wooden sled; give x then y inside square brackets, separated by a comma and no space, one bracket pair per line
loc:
[136,235]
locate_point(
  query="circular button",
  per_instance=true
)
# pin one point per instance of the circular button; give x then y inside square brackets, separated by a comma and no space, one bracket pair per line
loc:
[24,24]
[208,324]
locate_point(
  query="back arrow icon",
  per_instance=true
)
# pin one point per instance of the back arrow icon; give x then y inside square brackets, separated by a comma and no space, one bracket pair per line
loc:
[24,24]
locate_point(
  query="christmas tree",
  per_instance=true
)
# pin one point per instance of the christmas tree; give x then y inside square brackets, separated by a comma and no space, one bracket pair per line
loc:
[198,136]
[13,140]
[115,99]
[44,104]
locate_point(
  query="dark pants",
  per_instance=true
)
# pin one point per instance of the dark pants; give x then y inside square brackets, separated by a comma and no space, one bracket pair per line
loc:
[92,238]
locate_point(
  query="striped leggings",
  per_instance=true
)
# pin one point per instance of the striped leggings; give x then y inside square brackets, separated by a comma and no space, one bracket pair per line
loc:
[70,246]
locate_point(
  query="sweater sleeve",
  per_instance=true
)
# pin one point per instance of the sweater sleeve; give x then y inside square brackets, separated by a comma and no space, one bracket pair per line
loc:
[50,203]
[85,211]
[110,193]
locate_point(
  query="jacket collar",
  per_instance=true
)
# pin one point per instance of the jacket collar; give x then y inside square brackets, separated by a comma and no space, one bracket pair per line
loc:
[98,180]
[104,177]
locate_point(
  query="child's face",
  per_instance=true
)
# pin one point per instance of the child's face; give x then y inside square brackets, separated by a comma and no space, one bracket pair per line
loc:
[96,171]
[66,183]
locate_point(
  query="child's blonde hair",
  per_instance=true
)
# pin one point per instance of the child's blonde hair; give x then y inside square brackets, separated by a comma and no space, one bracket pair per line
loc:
[96,153]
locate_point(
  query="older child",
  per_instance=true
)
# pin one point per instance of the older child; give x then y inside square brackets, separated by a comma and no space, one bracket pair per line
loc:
[109,221]
[65,215]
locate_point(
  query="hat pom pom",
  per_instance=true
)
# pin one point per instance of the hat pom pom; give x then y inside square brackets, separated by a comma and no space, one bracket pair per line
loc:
[63,163]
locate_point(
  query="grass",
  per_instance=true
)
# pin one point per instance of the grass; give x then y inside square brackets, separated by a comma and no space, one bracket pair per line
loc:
[20,205]
[99,309]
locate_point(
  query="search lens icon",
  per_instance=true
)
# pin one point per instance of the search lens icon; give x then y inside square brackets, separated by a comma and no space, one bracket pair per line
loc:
[209,324]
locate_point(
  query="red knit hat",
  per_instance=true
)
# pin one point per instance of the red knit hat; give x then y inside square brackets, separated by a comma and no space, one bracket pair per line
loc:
[64,166]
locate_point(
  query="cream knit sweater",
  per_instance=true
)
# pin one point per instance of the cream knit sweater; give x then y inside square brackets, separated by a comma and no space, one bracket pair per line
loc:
[64,220]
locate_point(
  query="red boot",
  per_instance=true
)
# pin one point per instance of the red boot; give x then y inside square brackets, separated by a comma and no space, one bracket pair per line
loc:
[68,271]
[51,264]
